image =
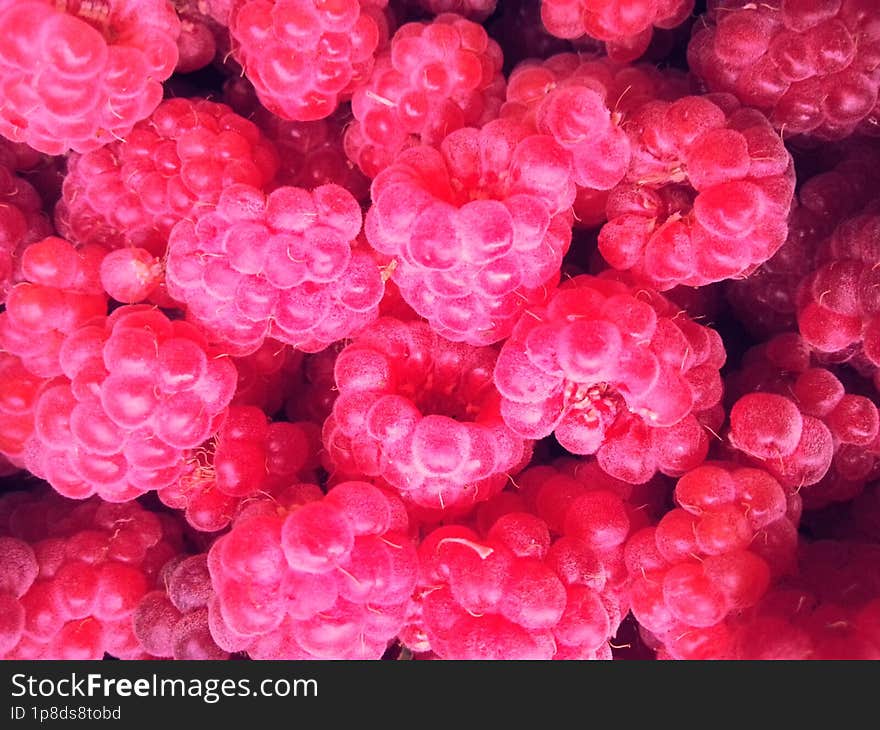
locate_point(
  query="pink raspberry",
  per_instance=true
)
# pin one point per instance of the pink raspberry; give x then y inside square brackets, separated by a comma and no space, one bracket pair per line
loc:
[140,392]
[306,56]
[422,413]
[435,78]
[61,290]
[626,26]
[477,229]
[799,422]
[78,74]
[715,554]
[706,196]
[812,68]
[72,575]
[249,456]
[616,371]
[314,576]
[171,166]
[284,266]
[541,576]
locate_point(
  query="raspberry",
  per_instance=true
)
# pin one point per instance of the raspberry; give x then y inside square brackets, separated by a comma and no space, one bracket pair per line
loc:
[706,196]
[77,75]
[202,36]
[314,576]
[249,456]
[19,393]
[626,27]
[477,10]
[711,556]
[797,421]
[434,79]
[614,371]
[422,413]
[304,58]
[139,393]
[278,266]
[265,377]
[172,166]
[543,578]
[811,73]
[477,229]
[60,292]
[72,574]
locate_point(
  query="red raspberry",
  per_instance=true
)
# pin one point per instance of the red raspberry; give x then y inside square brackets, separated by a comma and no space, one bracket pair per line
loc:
[18,395]
[477,229]
[615,371]
[583,104]
[71,575]
[60,291]
[312,576]
[280,266]
[733,530]
[706,196]
[811,68]
[77,75]
[626,26]
[140,393]
[799,423]
[305,56]
[202,35]
[436,78]
[173,622]
[541,577]
[267,377]
[249,456]
[422,413]
[172,166]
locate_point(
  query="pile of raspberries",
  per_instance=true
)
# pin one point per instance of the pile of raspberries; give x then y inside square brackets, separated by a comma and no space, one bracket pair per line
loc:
[439,329]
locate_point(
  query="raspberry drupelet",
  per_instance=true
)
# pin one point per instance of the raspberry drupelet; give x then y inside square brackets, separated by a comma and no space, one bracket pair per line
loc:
[811,67]
[77,74]
[477,229]
[422,413]
[616,371]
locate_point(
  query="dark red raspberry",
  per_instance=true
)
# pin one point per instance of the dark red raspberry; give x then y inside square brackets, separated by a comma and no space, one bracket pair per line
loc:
[476,10]
[309,576]
[616,371]
[706,196]
[733,531]
[72,575]
[303,58]
[626,26]
[171,166]
[812,68]
[477,229]
[422,413]
[77,74]
[140,393]
[284,266]
[435,78]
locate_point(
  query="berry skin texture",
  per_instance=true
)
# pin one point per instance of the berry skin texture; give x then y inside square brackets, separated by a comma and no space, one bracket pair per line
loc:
[171,166]
[77,75]
[284,266]
[140,392]
[626,26]
[706,196]
[477,229]
[614,371]
[422,413]
[304,58]
[309,576]
[811,73]
[434,78]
